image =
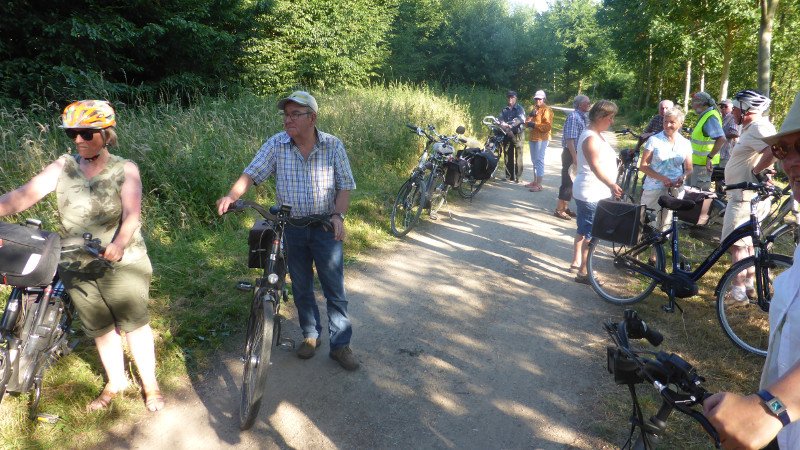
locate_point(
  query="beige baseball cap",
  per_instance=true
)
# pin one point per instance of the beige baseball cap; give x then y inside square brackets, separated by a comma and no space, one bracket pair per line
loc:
[301,98]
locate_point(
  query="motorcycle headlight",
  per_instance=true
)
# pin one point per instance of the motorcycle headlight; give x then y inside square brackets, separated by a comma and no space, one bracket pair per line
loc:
[272,278]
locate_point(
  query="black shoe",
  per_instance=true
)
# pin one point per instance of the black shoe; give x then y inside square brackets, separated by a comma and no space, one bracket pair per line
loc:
[345,357]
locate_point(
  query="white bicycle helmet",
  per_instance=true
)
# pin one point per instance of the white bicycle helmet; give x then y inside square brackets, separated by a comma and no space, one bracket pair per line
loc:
[750,100]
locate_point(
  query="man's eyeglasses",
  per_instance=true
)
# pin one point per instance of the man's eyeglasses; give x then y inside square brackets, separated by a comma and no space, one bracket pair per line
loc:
[780,151]
[86,135]
[294,116]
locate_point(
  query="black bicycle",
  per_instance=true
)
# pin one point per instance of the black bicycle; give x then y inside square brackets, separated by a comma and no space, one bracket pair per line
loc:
[628,168]
[676,381]
[36,325]
[264,323]
[628,274]
[426,187]
[777,223]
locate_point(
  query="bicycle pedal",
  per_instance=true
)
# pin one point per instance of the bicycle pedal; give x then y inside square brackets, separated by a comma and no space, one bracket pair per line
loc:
[244,286]
[287,343]
[668,308]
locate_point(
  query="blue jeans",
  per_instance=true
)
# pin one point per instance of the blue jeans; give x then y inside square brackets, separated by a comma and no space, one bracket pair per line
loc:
[537,156]
[585,219]
[307,246]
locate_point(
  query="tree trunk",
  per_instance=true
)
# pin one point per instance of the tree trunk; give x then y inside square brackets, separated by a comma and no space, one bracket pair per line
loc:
[727,50]
[702,73]
[768,8]
[687,91]
[649,76]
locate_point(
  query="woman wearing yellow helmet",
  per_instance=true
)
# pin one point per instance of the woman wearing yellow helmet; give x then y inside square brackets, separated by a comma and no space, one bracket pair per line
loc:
[101,193]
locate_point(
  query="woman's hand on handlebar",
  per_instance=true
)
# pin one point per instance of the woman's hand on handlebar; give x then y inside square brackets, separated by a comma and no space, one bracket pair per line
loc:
[741,421]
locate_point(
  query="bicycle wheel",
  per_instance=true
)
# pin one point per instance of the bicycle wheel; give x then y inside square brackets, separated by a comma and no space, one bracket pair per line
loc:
[5,371]
[407,207]
[785,239]
[613,277]
[469,187]
[258,347]
[439,194]
[745,322]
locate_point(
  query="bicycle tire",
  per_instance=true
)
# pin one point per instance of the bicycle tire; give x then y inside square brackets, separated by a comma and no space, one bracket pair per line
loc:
[5,371]
[469,187]
[439,193]
[258,348]
[616,283]
[784,239]
[407,206]
[746,323]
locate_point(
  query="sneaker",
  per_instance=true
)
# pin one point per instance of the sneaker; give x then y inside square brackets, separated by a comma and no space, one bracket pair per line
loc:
[750,289]
[308,348]
[736,296]
[345,357]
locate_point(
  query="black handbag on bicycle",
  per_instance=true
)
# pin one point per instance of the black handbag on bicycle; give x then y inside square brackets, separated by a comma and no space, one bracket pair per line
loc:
[28,256]
[618,221]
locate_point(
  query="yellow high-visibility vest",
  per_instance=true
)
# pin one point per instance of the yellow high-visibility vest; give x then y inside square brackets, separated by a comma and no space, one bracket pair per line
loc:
[702,144]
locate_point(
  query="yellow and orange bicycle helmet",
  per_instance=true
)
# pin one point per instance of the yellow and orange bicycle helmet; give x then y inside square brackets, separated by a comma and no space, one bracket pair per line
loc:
[92,114]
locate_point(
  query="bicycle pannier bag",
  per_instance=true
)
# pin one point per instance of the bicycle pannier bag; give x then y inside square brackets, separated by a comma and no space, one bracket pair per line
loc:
[454,171]
[260,241]
[702,205]
[28,255]
[619,222]
[482,164]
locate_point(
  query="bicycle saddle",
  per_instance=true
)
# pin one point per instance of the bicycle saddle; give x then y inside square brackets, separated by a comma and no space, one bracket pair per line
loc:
[675,204]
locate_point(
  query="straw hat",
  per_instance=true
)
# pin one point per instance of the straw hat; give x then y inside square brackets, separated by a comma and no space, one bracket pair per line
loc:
[790,125]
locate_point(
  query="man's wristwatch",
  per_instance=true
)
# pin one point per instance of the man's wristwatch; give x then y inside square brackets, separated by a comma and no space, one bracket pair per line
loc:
[341,215]
[774,406]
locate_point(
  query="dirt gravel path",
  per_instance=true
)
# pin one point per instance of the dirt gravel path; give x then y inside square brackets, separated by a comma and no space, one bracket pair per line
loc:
[471,334]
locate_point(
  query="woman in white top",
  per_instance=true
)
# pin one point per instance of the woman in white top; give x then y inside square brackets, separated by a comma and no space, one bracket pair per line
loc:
[596,180]
[667,162]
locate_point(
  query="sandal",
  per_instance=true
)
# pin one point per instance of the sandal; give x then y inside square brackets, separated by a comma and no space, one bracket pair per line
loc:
[570,213]
[562,215]
[535,188]
[573,269]
[154,401]
[103,400]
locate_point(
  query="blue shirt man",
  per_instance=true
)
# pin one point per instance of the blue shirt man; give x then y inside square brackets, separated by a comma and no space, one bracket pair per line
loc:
[312,175]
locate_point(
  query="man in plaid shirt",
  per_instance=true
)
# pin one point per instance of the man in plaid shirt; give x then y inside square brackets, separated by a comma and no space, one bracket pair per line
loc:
[656,124]
[312,174]
[573,127]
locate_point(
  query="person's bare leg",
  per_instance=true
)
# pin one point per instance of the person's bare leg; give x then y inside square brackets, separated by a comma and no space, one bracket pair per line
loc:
[109,346]
[140,343]
[577,254]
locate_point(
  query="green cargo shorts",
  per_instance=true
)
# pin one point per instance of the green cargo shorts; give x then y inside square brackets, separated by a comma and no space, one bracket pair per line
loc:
[114,298]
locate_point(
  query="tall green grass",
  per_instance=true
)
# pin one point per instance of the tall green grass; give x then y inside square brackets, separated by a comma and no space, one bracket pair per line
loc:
[188,157]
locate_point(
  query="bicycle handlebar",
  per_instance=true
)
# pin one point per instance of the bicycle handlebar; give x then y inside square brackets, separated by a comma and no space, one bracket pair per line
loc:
[282,214]
[675,379]
[433,135]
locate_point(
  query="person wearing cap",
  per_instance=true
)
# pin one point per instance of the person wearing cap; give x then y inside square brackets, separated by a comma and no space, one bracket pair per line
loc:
[731,130]
[772,414]
[101,193]
[574,125]
[539,123]
[656,124]
[707,139]
[512,119]
[748,159]
[312,174]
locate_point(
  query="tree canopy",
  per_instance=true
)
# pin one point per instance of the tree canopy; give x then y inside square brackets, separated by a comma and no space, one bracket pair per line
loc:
[638,51]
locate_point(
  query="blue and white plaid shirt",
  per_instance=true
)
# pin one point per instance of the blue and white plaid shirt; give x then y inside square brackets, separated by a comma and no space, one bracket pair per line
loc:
[309,186]
[573,127]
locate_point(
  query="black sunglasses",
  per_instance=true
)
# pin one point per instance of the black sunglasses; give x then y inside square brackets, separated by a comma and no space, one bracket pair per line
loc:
[780,151]
[86,134]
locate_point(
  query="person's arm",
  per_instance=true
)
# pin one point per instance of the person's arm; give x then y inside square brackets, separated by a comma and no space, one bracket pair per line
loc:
[743,421]
[687,170]
[31,192]
[591,150]
[546,123]
[238,189]
[131,196]
[765,161]
[647,159]
[572,150]
[718,143]
[341,203]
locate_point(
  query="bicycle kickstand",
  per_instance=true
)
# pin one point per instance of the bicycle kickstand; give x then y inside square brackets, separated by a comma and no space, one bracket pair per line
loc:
[672,304]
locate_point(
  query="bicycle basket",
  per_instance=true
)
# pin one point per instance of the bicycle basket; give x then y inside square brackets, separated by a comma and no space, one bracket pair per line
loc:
[619,222]
[28,256]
